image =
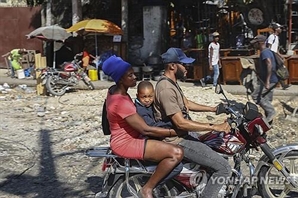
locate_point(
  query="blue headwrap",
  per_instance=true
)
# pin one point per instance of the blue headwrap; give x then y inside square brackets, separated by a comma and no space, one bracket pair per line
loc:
[115,67]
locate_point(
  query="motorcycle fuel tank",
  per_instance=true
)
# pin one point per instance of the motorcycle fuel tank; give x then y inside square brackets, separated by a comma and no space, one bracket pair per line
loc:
[224,143]
[69,67]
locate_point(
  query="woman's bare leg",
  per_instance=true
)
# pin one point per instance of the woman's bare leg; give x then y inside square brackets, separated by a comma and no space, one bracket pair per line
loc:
[168,156]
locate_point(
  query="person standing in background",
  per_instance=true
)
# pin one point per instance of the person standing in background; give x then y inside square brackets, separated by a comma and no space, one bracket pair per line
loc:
[273,44]
[86,59]
[14,58]
[199,38]
[214,61]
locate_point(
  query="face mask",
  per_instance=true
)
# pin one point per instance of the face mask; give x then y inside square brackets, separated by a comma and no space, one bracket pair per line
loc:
[180,75]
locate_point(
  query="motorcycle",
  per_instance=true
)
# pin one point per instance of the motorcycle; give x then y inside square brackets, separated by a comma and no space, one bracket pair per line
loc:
[57,82]
[275,175]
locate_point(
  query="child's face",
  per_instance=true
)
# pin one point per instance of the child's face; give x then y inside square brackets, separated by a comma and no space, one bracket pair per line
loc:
[145,96]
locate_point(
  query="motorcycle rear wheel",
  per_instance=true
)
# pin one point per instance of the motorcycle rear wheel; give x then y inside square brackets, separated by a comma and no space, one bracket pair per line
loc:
[120,190]
[272,183]
[54,88]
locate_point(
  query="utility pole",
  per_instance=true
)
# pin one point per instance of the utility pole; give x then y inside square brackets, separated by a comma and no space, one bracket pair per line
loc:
[290,24]
[124,19]
[49,13]
[76,11]
[124,24]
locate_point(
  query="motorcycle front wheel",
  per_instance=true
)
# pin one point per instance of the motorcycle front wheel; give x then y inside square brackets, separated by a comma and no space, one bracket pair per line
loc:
[87,81]
[53,87]
[89,84]
[120,189]
[273,184]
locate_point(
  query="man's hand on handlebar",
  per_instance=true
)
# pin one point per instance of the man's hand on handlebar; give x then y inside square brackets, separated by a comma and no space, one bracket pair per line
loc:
[221,108]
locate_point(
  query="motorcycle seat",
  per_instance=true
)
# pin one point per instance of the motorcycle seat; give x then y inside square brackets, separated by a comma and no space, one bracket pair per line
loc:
[107,152]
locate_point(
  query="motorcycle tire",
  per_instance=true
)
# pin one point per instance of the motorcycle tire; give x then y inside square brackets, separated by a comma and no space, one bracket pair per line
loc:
[54,88]
[120,190]
[271,183]
[89,84]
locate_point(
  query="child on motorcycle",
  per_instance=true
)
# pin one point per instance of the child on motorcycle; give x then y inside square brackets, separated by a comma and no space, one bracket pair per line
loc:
[144,101]
[128,129]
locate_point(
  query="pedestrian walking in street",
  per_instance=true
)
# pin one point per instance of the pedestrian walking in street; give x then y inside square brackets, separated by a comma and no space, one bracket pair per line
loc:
[273,44]
[213,60]
[266,78]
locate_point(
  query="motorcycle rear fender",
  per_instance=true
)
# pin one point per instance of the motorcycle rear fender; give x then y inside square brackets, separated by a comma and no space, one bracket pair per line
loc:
[109,181]
[285,149]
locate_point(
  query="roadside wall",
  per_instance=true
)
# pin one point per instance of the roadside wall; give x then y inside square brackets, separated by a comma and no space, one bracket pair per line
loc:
[15,23]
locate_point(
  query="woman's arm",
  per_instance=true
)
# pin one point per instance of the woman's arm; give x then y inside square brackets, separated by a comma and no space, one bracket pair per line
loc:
[92,56]
[138,123]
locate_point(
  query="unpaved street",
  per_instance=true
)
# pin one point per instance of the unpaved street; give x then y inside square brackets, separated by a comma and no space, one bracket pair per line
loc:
[43,139]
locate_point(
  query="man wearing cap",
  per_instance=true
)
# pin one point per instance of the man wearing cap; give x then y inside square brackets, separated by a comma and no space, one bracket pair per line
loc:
[171,105]
[214,63]
[273,44]
[267,78]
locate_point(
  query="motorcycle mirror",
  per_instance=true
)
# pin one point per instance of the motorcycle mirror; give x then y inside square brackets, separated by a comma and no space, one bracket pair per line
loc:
[218,89]
[79,54]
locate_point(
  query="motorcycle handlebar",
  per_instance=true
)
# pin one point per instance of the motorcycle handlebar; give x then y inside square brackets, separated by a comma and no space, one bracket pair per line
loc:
[79,54]
[223,108]
[235,120]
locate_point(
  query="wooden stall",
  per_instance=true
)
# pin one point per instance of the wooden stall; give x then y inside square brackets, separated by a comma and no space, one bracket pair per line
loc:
[231,65]
[231,69]
[293,68]
[199,68]
[28,59]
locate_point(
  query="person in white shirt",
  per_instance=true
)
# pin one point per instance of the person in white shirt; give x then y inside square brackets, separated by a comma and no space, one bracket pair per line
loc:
[214,62]
[273,39]
[273,44]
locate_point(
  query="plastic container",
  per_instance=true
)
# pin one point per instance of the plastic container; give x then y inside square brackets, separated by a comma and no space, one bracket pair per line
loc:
[102,76]
[92,73]
[20,74]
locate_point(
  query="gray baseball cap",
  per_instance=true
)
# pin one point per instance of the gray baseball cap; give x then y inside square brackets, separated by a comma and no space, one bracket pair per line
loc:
[258,38]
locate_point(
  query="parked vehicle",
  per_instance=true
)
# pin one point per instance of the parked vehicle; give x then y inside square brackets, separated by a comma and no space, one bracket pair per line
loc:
[59,81]
[275,175]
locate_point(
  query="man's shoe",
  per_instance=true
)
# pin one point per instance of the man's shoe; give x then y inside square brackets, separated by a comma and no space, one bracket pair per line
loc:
[202,81]
[286,86]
